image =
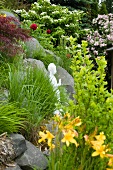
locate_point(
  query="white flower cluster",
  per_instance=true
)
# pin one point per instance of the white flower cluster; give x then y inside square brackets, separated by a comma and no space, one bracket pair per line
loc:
[32,12]
[55,12]
[47,17]
[18,11]
[43,13]
[47,1]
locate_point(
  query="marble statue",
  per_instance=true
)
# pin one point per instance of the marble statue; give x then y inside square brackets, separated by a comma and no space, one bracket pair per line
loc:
[52,71]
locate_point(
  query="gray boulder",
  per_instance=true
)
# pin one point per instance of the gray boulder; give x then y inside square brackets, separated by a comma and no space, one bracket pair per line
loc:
[58,59]
[32,158]
[3,94]
[10,14]
[66,80]
[35,63]
[70,91]
[34,48]
[19,144]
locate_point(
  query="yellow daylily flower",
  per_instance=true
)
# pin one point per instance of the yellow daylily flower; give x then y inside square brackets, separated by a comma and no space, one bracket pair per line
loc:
[67,115]
[96,144]
[101,137]
[52,146]
[69,138]
[68,127]
[61,126]
[109,155]
[49,137]
[76,121]
[43,137]
[57,118]
[110,163]
[73,123]
[99,151]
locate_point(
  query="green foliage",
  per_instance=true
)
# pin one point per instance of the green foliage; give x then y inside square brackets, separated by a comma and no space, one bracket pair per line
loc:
[40,54]
[100,39]
[2,4]
[94,10]
[89,7]
[102,9]
[58,19]
[77,4]
[62,158]
[13,4]
[12,118]
[3,74]
[109,5]
[66,57]
[61,22]
[93,101]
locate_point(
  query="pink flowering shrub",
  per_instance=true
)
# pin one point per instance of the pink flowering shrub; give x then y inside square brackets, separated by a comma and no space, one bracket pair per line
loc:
[101,37]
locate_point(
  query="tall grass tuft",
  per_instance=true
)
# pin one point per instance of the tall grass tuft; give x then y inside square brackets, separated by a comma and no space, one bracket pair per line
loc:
[12,118]
[31,89]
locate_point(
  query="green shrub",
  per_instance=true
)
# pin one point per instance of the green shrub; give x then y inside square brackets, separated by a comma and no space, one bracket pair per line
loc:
[93,101]
[102,9]
[58,20]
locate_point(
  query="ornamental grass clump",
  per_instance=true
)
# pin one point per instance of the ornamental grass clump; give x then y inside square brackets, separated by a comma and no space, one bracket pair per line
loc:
[12,118]
[31,88]
[11,35]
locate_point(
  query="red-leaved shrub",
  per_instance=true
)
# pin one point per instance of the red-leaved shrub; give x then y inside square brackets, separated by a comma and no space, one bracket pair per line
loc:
[10,34]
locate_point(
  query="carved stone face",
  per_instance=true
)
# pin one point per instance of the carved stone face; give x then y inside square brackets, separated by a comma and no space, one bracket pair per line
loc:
[52,68]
